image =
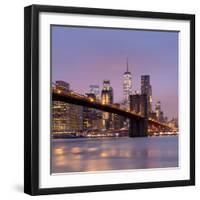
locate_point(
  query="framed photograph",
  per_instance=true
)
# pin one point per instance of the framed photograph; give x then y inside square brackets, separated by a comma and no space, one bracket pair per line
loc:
[109,99]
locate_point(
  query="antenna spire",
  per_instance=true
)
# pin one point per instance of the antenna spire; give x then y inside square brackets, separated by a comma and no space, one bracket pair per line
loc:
[127,65]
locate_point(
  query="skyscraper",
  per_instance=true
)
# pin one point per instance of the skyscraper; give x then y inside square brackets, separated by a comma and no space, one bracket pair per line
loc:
[127,85]
[107,98]
[159,112]
[158,109]
[147,90]
[94,89]
[107,93]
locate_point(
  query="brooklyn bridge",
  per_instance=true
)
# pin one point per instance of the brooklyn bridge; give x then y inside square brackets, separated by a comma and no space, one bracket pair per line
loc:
[140,125]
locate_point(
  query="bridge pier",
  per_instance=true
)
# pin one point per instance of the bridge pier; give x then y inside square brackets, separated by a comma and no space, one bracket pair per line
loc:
[138,128]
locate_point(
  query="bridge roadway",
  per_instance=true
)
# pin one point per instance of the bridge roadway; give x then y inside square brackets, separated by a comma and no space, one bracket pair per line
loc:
[77,99]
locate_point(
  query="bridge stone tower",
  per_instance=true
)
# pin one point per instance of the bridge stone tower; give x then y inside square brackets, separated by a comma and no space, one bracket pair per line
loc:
[138,127]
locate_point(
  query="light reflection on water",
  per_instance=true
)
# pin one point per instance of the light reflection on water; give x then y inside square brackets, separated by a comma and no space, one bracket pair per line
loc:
[82,155]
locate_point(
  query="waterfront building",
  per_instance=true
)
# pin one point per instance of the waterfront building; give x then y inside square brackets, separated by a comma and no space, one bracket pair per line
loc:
[66,118]
[146,89]
[127,85]
[173,123]
[89,116]
[92,118]
[118,121]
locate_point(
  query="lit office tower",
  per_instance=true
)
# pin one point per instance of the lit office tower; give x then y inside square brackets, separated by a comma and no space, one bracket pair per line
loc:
[127,85]
[158,110]
[107,93]
[94,89]
[66,118]
[147,90]
[107,98]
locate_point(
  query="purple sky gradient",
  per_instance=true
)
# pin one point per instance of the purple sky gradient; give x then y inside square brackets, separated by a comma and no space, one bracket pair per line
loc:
[85,56]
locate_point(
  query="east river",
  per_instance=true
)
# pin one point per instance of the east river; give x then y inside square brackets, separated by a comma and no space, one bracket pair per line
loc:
[102,154]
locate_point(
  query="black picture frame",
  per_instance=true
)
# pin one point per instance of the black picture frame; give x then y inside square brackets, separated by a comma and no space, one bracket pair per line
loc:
[31,98]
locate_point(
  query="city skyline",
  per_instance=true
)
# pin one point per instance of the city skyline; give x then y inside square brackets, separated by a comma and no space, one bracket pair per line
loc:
[97,61]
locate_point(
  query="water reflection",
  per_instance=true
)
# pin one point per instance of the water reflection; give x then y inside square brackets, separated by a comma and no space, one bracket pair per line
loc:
[81,155]
[58,151]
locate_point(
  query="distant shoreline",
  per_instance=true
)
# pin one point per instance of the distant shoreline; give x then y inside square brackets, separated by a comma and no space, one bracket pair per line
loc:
[104,137]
